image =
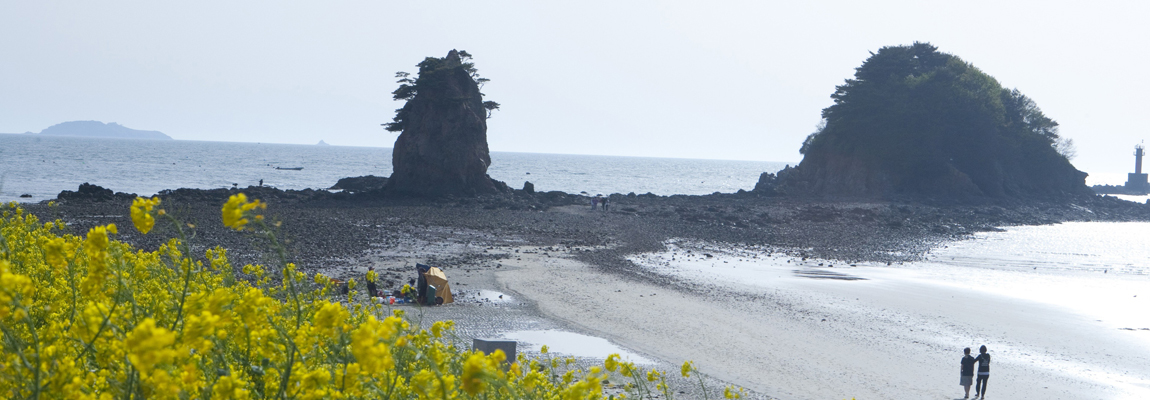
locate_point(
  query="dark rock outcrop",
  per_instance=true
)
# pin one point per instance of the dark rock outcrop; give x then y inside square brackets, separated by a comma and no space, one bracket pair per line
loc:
[529,187]
[1117,189]
[357,184]
[443,147]
[90,192]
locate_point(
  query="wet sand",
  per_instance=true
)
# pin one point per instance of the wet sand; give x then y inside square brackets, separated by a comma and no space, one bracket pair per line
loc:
[896,333]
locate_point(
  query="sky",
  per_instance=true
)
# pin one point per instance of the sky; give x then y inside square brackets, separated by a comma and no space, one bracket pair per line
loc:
[742,80]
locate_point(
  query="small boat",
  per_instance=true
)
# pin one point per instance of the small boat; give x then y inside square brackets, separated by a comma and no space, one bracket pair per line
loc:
[290,168]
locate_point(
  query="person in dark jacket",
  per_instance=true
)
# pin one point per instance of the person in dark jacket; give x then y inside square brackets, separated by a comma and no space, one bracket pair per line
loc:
[421,283]
[983,373]
[966,372]
[370,277]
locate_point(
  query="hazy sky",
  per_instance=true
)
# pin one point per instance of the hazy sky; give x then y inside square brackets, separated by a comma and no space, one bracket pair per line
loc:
[695,79]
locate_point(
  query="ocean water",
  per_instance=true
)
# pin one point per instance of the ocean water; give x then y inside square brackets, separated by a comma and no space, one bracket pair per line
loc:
[43,166]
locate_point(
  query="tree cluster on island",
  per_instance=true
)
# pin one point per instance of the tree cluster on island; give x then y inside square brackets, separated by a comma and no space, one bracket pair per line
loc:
[917,121]
[429,78]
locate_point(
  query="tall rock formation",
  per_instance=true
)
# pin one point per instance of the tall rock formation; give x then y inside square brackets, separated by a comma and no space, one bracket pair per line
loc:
[443,145]
[921,123]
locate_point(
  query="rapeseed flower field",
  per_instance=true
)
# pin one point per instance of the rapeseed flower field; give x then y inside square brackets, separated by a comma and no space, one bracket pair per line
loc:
[90,317]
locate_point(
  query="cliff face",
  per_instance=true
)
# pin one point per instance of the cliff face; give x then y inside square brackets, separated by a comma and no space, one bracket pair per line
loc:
[917,122]
[443,147]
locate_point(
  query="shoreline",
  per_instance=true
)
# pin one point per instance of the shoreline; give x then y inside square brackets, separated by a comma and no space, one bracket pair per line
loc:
[580,274]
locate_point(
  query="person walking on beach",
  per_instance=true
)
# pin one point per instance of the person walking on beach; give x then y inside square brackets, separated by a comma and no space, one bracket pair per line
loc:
[605,203]
[983,372]
[594,203]
[966,371]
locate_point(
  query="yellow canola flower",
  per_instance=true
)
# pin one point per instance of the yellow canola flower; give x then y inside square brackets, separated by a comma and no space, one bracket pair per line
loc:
[730,393]
[627,369]
[474,371]
[96,247]
[368,347]
[141,212]
[427,385]
[652,375]
[57,251]
[230,388]
[686,369]
[478,369]
[148,346]
[439,327]
[197,328]
[329,316]
[97,239]
[233,211]
[612,362]
[12,286]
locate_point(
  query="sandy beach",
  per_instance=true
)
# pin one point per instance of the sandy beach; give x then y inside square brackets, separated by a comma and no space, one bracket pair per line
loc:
[895,333]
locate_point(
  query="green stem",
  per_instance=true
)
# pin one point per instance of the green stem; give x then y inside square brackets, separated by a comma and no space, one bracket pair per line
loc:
[36,346]
[702,385]
[104,324]
[186,251]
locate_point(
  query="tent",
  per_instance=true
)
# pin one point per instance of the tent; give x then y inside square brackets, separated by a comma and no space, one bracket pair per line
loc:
[436,277]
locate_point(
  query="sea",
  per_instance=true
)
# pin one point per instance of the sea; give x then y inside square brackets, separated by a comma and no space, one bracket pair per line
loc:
[42,166]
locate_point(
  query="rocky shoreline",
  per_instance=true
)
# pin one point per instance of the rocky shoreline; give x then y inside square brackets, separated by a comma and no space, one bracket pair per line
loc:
[520,243]
[333,231]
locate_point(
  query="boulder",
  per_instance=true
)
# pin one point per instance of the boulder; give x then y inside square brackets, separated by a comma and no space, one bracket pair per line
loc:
[357,184]
[528,187]
[442,149]
[90,192]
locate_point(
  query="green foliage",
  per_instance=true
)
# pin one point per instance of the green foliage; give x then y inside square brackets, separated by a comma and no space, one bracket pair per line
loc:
[432,74]
[490,106]
[918,113]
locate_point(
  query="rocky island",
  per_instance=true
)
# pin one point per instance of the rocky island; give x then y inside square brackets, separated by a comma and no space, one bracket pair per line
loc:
[442,147]
[97,129]
[916,122]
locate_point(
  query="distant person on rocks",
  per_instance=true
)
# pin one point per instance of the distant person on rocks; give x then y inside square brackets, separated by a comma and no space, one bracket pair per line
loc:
[370,278]
[261,183]
[966,372]
[421,283]
[983,372]
[606,203]
[594,203]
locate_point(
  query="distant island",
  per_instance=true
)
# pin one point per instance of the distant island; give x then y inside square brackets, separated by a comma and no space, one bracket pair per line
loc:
[97,129]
